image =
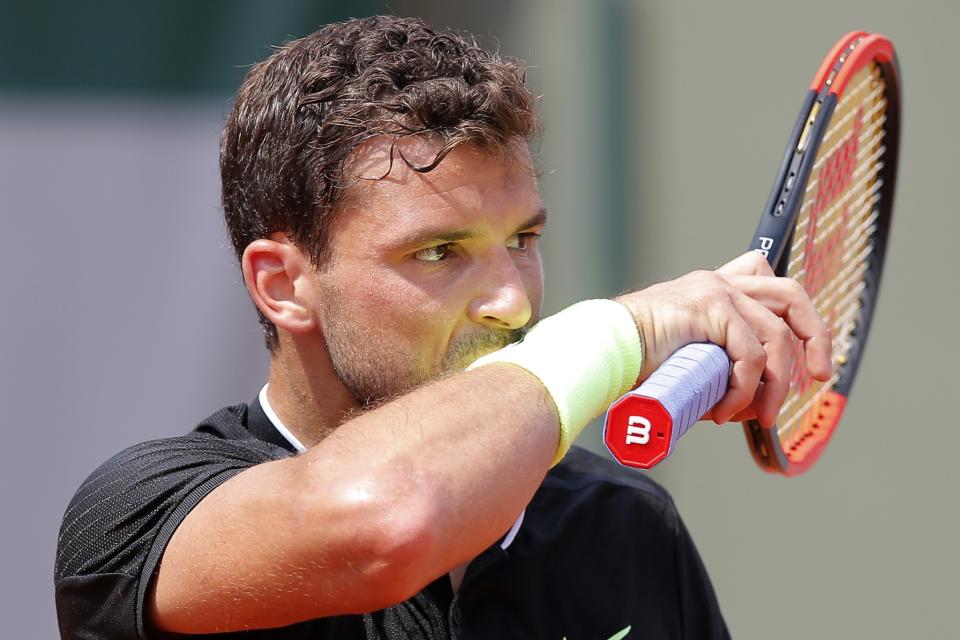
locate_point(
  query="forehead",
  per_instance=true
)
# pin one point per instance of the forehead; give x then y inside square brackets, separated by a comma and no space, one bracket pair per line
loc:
[468,188]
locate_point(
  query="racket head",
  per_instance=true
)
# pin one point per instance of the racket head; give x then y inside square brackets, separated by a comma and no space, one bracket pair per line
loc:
[826,224]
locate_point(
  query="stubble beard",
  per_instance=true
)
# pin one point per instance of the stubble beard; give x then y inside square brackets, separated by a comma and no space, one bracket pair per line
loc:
[374,373]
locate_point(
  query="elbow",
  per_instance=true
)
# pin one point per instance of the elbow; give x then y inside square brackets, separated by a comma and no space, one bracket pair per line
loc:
[385,540]
[406,543]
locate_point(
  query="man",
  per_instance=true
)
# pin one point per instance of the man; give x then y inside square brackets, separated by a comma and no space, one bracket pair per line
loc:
[405,473]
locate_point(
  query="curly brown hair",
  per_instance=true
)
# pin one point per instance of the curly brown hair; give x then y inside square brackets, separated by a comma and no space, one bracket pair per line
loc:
[301,112]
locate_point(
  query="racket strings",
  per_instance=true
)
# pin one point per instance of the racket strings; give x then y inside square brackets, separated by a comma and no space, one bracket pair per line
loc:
[866,94]
[865,170]
[840,329]
[839,295]
[867,199]
[854,266]
[874,129]
[853,269]
[868,90]
[869,138]
[840,245]
[852,273]
[865,174]
[827,223]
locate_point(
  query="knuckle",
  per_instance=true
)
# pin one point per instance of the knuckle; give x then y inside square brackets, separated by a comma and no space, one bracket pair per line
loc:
[702,276]
[762,357]
[714,286]
[782,332]
[706,289]
[759,353]
[714,298]
[827,337]
[795,289]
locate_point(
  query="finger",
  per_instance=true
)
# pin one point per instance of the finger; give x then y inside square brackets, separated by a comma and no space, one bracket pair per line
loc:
[749,359]
[786,298]
[751,263]
[750,413]
[777,340]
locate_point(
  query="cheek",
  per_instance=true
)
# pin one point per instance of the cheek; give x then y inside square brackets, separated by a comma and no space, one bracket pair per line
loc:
[404,316]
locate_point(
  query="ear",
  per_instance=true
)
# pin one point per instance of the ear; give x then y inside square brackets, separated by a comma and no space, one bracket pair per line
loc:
[277,275]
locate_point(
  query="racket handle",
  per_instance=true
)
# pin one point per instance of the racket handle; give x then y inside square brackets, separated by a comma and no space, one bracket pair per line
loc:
[643,426]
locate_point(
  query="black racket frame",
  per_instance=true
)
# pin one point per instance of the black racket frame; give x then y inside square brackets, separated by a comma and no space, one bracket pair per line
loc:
[774,235]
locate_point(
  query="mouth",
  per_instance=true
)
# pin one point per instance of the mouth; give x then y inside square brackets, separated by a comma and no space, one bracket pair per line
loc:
[465,349]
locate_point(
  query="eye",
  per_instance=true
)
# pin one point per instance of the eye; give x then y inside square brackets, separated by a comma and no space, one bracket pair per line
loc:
[438,253]
[522,241]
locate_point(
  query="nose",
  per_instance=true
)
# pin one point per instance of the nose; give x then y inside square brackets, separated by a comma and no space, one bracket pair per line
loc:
[501,301]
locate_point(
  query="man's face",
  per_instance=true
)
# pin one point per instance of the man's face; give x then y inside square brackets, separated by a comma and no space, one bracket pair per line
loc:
[430,271]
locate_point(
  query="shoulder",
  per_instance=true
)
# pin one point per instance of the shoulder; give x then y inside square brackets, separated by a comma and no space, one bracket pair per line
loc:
[130,495]
[116,526]
[219,441]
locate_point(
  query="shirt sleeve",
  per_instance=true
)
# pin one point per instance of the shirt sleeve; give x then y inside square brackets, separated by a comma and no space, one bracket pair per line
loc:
[119,522]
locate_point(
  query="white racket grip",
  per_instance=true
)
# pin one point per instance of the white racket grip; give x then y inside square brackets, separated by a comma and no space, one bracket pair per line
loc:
[643,426]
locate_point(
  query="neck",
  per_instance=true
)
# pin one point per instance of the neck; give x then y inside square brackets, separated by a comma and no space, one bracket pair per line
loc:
[307,395]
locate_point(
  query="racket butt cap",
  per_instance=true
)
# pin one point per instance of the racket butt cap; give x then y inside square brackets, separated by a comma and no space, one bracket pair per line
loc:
[638,431]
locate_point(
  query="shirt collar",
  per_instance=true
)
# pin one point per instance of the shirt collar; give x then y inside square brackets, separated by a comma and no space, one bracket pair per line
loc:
[277,422]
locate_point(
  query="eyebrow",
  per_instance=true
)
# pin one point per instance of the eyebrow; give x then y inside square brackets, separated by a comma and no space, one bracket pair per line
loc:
[444,236]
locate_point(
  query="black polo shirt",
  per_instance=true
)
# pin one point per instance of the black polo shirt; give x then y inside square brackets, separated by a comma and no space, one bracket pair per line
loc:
[601,552]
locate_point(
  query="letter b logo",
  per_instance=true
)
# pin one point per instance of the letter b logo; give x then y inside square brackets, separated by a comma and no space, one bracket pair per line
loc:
[638,430]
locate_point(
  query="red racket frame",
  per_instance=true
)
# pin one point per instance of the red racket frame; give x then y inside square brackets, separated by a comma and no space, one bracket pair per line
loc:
[775,230]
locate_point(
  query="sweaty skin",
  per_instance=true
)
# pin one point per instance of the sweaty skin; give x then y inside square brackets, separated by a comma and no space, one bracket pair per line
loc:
[407,479]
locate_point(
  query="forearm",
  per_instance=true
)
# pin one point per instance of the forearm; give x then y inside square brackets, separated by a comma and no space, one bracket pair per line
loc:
[457,460]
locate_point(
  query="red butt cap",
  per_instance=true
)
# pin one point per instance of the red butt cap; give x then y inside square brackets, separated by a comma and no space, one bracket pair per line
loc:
[638,431]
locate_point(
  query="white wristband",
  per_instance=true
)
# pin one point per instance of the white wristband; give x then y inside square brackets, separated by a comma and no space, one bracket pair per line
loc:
[586,356]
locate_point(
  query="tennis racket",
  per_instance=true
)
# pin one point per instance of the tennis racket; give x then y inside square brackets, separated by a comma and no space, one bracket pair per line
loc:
[825,224]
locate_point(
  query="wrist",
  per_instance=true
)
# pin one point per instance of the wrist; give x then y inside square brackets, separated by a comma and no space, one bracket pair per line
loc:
[647,331]
[586,356]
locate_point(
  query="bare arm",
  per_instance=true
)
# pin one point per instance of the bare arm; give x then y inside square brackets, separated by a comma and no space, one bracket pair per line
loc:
[387,503]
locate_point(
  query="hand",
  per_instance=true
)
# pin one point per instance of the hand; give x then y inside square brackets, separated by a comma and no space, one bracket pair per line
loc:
[754,315]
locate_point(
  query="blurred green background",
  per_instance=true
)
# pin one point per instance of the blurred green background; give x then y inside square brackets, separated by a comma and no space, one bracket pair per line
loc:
[124,318]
